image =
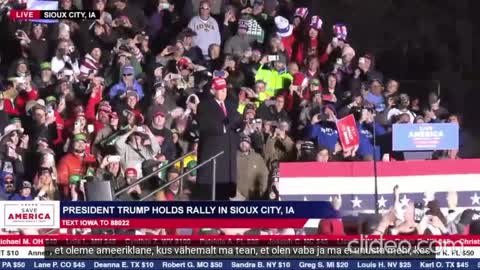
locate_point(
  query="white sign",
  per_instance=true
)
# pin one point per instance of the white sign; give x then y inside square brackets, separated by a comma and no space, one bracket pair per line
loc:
[30,214]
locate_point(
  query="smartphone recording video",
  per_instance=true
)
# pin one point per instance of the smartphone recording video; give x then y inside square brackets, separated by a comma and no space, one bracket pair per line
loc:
[419,212]
[273,58]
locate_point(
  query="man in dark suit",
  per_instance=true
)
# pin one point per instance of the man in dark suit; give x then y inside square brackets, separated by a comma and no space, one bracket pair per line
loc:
[219,124]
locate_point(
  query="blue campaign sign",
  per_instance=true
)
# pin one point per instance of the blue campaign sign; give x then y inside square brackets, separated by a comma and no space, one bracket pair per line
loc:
[416,137]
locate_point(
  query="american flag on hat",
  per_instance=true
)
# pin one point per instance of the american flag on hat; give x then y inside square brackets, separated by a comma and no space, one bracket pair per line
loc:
[301,12]
[340,31]
[316,22]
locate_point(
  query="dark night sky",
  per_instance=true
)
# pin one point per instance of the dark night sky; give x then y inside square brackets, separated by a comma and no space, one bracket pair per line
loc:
[418,40]
[413,40]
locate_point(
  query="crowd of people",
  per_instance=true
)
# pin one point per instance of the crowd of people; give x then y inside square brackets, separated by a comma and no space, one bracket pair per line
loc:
[116,98]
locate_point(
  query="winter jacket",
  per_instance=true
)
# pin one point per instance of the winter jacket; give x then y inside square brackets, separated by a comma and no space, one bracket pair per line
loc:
[274,80]
[70,164]
[38,50]
[237,45]
[301,58]
[167,146]
[36,131]
[133,158]
[120,88]
[195,54]
[117,181]
[270,113]
[288,45]
[277,149]
[252,175]
[113,73]
[102,134]
[18,108]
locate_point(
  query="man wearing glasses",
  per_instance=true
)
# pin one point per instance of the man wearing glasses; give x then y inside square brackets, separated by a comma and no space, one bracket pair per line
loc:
[7,186]
[206,27]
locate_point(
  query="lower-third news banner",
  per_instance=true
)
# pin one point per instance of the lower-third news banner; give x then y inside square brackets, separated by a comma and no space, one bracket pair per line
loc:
[236,252]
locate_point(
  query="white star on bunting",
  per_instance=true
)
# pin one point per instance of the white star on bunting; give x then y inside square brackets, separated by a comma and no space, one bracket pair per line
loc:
[404,200]
[356,202]
[382,203]
[475,199]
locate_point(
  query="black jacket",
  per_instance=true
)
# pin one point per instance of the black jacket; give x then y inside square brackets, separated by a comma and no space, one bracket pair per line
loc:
[219,133]
[167,147]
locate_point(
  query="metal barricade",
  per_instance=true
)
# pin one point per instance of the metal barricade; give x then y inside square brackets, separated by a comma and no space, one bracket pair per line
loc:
[148,176]
[180,177]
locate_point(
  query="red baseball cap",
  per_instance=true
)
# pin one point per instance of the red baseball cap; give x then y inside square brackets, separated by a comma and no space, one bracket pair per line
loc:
[131,172]
[80,114]
[184,63]
[219,84]
[159,114]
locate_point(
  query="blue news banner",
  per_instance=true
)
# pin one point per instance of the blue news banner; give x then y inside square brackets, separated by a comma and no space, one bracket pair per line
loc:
[197,209]
[29,264]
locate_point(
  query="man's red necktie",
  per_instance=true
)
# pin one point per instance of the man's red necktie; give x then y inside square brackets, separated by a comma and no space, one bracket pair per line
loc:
[222,105]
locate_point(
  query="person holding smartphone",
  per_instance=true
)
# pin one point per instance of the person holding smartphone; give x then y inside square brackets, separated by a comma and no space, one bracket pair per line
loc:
[279,146]
[128,17]
[322,128]
[136,146]
[110,170]
[240,42]
[13,146]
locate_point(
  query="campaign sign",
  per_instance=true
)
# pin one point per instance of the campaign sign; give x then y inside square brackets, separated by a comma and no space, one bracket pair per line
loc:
[413,137]
[348,132]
